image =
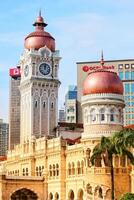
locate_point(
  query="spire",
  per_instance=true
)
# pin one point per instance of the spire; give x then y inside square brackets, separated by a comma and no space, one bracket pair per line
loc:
[39,22]
[102,58]
[40,13]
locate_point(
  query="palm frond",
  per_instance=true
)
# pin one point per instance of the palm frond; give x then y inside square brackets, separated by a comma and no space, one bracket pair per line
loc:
[129,155]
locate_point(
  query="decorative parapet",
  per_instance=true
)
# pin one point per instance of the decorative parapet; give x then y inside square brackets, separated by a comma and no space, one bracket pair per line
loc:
[103,97]
[106,170]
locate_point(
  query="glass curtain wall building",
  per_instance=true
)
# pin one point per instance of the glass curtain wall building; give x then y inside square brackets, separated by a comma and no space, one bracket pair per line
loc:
[126,74]
[70,104]
[4,130]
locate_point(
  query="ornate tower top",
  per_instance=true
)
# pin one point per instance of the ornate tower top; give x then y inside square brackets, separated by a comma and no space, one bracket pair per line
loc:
[39,38]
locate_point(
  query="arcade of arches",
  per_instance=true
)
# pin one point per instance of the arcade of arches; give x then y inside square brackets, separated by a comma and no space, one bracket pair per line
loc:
[24,194]
[64,174]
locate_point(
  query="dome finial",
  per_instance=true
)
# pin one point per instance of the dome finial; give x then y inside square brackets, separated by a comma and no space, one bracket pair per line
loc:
[39,22]
[40,12]
[102,58]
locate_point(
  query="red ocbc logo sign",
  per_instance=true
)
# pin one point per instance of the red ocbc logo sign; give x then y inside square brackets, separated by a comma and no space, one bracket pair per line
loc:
[15,72]
[87,68]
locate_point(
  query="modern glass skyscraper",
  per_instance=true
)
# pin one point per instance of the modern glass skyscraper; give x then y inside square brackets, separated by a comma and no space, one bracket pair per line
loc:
[70,104]
[14,108]
[4,130]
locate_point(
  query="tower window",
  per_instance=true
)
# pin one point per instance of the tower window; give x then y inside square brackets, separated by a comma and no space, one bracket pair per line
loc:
[36,104]
[44,104]
[112,118]
[93,115]
[102,117]
[52,105]
[102,114]
[112,115]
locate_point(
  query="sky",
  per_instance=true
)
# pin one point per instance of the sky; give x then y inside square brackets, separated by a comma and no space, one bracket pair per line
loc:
[81,28]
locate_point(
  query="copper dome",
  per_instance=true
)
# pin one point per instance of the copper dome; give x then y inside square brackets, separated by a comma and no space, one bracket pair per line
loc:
[102,82]
[39,38]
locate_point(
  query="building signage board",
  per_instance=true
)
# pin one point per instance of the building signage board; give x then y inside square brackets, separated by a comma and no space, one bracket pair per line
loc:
[88,68]
[15,72]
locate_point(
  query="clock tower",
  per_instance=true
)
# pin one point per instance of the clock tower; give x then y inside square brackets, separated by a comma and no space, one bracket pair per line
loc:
[39,84]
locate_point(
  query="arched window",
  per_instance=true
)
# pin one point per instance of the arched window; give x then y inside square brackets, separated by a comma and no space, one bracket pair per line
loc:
[36,171]
[120,115]
[102,114]
[56,196]
[112,115]
[26,171]
[69,169]
[44,104]
[40,171]
[93,115]
[86,116]
[98,192]
[71,195]
[50,196]
[80,194]
[57,170]
[73,169]
[54,170]
[23,172]
[78,168]
[82,167]
[33,68]
[36,104]
[52,105]
[50,170]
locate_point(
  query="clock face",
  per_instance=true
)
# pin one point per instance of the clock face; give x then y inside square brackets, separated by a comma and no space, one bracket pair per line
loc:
[26,70]
[44,69]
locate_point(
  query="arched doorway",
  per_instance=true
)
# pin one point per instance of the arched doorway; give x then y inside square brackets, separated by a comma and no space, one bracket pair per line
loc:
[24,194]
[98,193]
[56,196]
[50,196]
[71,195]
[80,194]
[108,194]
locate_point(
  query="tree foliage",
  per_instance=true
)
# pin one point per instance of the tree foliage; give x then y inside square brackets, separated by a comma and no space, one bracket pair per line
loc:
[119,144]
[127,196]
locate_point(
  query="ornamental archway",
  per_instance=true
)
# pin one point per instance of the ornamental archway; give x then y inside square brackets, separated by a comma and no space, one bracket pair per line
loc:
[80,194]
[24,194]
[71,195]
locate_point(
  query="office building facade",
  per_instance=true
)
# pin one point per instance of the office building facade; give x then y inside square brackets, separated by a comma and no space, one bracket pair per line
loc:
[61,115]
[71,104]
[4,131]
[14,107]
